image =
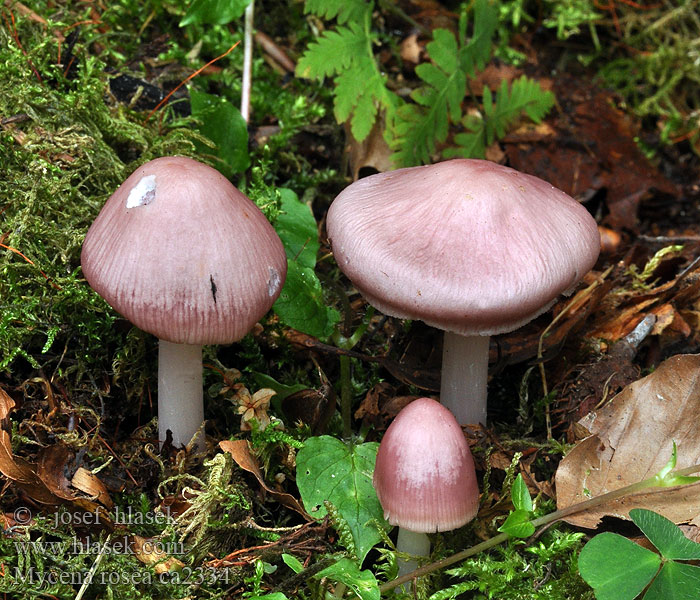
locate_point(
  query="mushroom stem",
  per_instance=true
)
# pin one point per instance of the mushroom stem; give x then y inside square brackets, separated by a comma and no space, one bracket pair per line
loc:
[414,543]
[180,398]
[465,369]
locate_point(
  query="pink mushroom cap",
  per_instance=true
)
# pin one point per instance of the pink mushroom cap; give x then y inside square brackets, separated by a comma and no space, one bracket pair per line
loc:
[467,246]
[183,254]
[424,474]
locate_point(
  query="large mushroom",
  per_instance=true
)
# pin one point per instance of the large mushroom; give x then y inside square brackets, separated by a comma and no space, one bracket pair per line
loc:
[424,476]
[468,246]
[184,255]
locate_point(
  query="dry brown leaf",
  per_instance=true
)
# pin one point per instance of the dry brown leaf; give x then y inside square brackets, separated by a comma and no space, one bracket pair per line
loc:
[6,405]
[493,75]
[90,484]
[49,469]
[240,451]
[632,439]
[411,49]
[373,152]
[149,551]
[16,469]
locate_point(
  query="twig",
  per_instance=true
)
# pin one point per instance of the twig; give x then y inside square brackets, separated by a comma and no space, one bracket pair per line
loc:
[197,72]
[247,61]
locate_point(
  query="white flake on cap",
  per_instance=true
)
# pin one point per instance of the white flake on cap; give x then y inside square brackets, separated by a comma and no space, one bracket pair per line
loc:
[144,192]
[274,281]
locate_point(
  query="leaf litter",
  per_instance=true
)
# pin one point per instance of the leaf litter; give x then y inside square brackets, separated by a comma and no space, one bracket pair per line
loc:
[631,439]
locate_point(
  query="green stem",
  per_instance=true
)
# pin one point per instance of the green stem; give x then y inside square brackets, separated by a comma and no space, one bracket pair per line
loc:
[346,395]
[544,520]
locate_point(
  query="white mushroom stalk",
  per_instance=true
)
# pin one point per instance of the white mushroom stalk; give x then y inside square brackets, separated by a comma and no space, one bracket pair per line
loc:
[465,371]
[180,396]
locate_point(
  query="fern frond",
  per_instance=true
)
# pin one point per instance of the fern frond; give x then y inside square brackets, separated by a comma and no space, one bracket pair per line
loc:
[523,96]
[333,52]
[343,10]
[477,52]
[346,54]
[417,128]
[471,144]
[358,92]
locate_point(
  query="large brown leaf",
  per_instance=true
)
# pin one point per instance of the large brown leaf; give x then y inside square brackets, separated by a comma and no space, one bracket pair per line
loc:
[632,439]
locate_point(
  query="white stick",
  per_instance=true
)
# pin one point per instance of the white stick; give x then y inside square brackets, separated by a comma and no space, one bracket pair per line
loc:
[465,370]
[247,61]
[180,396]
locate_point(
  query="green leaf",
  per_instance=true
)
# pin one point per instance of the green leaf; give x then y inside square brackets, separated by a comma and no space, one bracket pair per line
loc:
[213,12]
[346,571]
[521,495]
[665,535]
[272,596]
[296,227]
[517,524]
[617,568]
[292,562]
[418,126]
[358,92]
[223,124]
[301,304]
[340,473]
[477,52]
[523,96]
[472,144]
[333,52]
[676,581]
[344,10]
[263,380]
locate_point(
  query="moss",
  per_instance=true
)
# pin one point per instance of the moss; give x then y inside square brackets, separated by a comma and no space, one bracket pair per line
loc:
[66,145]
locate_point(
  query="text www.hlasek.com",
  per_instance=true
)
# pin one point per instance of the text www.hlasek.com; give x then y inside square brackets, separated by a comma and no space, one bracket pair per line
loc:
[52,575]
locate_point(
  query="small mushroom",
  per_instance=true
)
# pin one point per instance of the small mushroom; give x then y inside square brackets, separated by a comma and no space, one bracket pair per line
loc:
[424,476]
[184,255]
[468,246]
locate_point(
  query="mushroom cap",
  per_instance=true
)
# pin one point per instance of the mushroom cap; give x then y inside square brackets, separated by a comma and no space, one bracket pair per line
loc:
[183,254]
[424,475]
[465,245]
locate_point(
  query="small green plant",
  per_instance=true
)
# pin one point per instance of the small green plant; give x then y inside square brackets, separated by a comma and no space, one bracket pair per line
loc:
[336,474]
[416,130]
[301,304]
[518,524]
[618,569]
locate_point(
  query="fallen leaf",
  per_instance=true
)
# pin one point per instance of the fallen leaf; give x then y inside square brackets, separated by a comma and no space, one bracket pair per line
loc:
[16,469]
[150,553]
[594,150]
[49,469]
[6,406]
[411,49]
[240,451]
[632,439]
[371,153]
[90,484]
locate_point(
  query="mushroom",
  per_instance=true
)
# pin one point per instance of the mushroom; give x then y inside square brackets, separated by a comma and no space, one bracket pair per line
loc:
[467,246]
[184,255]
[424,476]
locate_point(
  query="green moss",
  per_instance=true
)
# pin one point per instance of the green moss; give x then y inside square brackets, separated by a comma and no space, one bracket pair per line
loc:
[66,145]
